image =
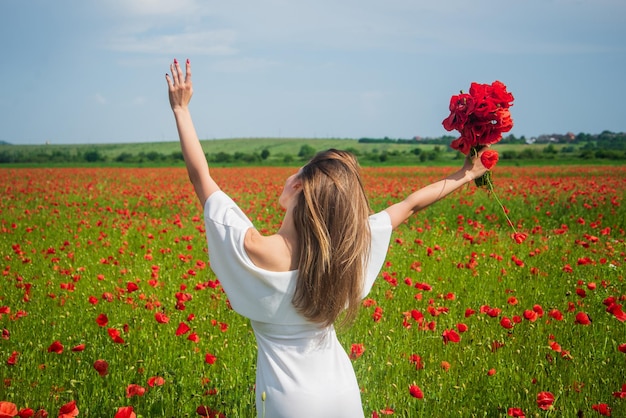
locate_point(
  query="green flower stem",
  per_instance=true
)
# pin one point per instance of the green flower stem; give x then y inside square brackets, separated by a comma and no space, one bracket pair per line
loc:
[485,181]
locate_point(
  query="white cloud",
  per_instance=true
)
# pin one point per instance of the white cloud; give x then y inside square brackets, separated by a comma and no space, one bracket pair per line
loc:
[212,42]
[156,8]
[98,98]
[242,65]
[138,101]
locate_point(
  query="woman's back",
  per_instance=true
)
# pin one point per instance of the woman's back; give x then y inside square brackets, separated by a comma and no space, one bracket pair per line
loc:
[301,366]
[271,252]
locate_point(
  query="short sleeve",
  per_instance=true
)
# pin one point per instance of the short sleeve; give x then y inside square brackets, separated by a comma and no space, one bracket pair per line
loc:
[380,226]
[255,293]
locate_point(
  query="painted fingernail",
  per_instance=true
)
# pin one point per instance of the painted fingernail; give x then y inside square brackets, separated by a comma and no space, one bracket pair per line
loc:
[187,60]
[175,61]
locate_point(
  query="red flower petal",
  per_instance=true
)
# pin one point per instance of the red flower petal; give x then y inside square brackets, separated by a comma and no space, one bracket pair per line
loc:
[125,412]
[55,347]
[545,400]
[416,392]
[101,366]
[489,158]
[102,320]
[182,329]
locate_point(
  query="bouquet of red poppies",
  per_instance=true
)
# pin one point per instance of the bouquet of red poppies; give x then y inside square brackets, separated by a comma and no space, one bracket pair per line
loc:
[480,116]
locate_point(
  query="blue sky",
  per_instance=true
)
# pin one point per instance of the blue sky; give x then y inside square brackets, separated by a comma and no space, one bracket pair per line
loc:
[88,71]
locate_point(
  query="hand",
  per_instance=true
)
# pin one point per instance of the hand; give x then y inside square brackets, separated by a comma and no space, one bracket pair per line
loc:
[473,164]
[180,89]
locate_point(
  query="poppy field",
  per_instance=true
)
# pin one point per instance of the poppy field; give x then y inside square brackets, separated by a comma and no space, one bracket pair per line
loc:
[489,305]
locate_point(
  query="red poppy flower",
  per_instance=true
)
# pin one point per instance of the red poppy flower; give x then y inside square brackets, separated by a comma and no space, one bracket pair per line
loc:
[555,314]
[602,409]
[582,319]
[12,360]
[156,381]
[79,347]
[193,337]
[417,360]
[356,351]
[369,302]
[531,316]
[621,394]
[134,390]
[516,412]
[210,358]
[450,335]
[617,312]
[622,348]
[545,400]
[56,347]
[68,410]
[101,366]
[24,413]
[378,314]
[205,411]
[182,329]
[125,412]
[519,237]
[102,320]
[161,318]
[417,316]
[115,335]
[489,158]
[555,346]
[7,409]
[492,312]
[461,107]
[505,322]
[416,392]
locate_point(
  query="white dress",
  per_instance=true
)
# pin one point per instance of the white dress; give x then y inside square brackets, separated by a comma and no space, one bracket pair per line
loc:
[302,368]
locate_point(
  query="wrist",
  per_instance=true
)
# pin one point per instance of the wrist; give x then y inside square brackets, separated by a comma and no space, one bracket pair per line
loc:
[180,109]
[465,175]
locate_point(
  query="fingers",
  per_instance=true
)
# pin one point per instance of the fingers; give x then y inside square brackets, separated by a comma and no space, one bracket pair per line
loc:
[188,71]
[175,69]
[177,74]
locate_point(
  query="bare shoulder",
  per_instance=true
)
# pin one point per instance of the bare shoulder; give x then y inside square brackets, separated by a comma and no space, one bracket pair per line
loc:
[269,252]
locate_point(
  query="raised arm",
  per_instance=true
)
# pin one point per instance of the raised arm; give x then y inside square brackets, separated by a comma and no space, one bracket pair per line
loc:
[426,196]
[180,92]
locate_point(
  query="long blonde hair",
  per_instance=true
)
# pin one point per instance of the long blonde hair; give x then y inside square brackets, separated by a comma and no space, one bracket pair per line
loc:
[331,218]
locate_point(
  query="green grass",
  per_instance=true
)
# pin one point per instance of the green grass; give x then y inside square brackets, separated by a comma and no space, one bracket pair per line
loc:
[99,229]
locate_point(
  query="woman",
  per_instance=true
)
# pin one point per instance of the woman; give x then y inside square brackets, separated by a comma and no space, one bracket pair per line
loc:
[294,285]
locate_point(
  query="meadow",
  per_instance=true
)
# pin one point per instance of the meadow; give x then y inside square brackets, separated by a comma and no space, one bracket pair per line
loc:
[109,308]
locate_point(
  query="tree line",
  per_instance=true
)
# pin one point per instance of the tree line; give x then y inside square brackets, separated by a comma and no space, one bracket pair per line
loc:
[604,146]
